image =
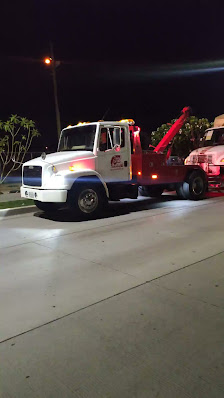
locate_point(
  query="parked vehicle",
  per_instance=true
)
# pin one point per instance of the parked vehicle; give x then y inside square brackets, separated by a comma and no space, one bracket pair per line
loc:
[210,155]
[102,161]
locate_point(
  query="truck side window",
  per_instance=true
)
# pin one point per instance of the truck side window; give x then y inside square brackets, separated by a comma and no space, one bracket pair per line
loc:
[103,139]
[131,140]
[221,139]
[107,138]
[118,135]
[122,138]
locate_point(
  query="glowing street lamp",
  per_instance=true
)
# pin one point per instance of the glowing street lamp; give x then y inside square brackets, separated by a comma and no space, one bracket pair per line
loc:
[50,61]
[47,61]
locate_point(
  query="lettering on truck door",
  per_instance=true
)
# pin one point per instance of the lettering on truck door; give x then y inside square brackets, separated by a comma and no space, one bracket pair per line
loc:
[113,154]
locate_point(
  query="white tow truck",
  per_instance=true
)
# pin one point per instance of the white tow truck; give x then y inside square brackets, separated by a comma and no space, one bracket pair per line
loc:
[102,161]
[210,155]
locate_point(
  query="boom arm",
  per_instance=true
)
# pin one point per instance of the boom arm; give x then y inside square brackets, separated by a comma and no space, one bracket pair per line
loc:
[173,130]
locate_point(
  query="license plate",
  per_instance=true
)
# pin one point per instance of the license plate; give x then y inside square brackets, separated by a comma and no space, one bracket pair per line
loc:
[31,195]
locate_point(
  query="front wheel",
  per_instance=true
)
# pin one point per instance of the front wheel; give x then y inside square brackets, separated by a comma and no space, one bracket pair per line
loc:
[87,200]
[48,207]
[194,188]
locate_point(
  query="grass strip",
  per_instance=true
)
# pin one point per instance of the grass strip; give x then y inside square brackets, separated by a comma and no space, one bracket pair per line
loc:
[16,203]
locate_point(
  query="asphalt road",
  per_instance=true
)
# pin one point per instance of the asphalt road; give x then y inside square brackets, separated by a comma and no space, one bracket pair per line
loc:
[128,305]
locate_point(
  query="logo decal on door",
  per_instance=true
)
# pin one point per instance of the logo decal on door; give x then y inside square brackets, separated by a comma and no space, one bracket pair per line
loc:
[116,162]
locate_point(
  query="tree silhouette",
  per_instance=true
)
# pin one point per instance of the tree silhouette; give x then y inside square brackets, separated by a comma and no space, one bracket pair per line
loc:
[16,136]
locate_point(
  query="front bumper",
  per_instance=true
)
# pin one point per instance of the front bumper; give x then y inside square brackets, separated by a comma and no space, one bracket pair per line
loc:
[216,181]
[44,195]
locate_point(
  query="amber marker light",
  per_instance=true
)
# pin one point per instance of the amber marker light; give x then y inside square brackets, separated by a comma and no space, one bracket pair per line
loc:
[47,61]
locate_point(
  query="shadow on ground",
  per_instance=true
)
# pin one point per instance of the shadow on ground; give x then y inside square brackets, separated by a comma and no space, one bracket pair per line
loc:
[115,209]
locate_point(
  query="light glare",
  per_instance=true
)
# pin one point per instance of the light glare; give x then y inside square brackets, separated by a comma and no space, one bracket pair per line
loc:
[47,61]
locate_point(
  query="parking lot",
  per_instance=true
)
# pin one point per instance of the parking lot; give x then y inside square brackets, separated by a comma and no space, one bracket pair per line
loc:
[127,305]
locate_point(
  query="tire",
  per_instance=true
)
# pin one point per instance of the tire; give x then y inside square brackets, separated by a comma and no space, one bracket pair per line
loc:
[194,188]
[87,199]
[48,207]
[150,191]
[180,192]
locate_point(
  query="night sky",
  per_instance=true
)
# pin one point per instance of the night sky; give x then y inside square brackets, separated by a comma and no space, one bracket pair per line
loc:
[144,60]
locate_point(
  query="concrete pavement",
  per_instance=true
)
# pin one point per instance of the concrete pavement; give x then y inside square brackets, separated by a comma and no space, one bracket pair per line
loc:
[130,305]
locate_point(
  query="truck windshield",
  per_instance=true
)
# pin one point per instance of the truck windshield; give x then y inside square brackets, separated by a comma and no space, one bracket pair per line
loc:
[213,137]
[79,138]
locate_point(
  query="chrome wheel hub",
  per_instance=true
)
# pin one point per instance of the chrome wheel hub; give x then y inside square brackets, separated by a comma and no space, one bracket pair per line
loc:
[197,186]
[88,201]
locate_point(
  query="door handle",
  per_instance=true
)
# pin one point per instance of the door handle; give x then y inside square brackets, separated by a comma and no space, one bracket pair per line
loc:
[125,163]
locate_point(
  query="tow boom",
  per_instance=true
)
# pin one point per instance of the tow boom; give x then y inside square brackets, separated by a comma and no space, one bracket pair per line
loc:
[173,130]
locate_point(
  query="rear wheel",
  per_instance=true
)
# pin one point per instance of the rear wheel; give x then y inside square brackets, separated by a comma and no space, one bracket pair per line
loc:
[87,200]
[194,188]
[179,191]
[48,207]
[152,191]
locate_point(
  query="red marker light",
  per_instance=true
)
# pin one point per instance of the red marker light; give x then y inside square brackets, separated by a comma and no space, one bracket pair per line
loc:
[154,176]
[139,173]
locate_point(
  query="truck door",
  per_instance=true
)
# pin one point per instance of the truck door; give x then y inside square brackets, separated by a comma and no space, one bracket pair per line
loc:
[113,154]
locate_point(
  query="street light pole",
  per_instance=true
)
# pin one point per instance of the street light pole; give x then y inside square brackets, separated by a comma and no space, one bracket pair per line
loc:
[54,65]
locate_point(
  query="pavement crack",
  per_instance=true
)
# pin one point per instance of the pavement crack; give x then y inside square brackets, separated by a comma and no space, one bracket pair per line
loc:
[72,313]
[110,297]
[187,295]
[187,266]
[90,261]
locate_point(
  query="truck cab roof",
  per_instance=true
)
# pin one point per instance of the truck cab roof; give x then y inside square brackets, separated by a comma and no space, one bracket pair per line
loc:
[103,123]
[214,128]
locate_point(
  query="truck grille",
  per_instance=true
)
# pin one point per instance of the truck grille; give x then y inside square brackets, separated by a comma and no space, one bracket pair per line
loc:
[32,176]
[194,159]
[201,159]
[210,159]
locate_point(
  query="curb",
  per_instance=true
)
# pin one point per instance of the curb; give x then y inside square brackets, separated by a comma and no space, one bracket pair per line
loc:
[16,210]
